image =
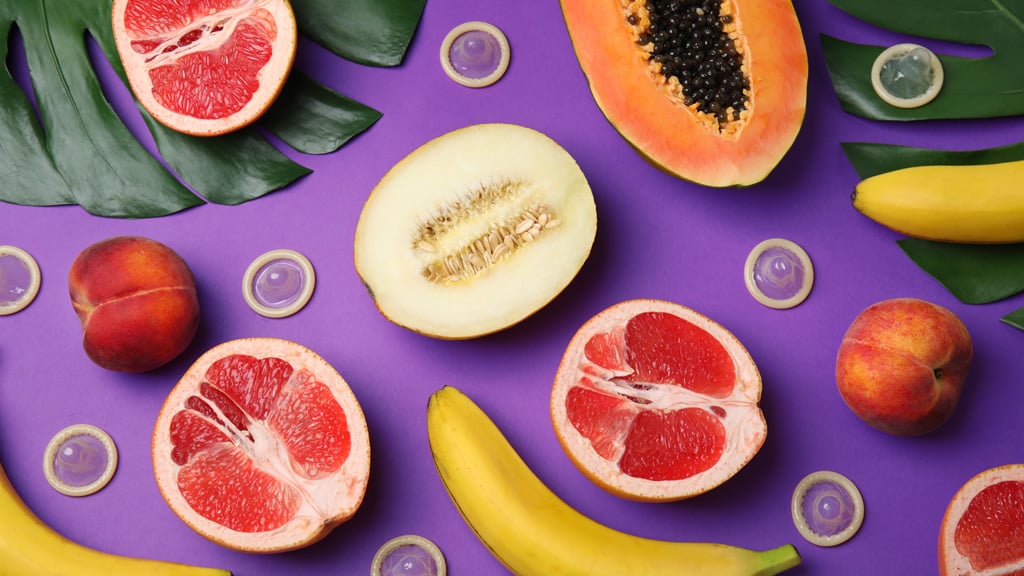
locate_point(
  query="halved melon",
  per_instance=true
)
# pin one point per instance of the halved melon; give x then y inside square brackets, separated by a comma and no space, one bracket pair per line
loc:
[712,91]
[474,231]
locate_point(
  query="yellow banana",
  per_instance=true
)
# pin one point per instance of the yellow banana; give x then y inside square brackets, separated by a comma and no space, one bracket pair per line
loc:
[978,204]
[28,547]
[534,533]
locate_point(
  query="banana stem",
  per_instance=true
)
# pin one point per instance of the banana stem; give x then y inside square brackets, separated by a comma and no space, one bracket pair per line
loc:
[779,560]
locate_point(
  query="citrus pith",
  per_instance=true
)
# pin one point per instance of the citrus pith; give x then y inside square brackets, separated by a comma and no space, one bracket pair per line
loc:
[205,67]
[262,446]
[654,401]
[983,528]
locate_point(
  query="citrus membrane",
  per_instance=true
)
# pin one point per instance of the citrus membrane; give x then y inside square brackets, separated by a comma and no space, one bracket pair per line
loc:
[654,401]
[205,68]
[262,446]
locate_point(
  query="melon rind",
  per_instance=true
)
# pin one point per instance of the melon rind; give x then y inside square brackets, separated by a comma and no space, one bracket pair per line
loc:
[744,421]
[328,501]
[439,172]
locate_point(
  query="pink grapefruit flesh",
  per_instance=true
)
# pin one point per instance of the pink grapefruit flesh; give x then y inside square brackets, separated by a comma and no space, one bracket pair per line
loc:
[205,67]
[983,527]
[262,446]
[654,401]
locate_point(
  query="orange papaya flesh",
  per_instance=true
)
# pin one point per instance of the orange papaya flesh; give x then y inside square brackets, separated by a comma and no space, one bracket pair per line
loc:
[652,110]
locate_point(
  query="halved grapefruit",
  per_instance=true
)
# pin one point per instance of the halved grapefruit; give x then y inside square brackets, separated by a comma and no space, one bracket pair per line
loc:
[262,446]
[983,528]
[205,67]
[654,401]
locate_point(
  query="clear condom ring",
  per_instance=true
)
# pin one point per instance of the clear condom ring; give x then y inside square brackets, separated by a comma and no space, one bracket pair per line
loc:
[80,460]
[475,54]
[279,283]
[408,555]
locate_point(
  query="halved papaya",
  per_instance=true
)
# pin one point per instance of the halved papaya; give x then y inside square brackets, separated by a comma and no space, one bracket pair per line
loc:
[712,91]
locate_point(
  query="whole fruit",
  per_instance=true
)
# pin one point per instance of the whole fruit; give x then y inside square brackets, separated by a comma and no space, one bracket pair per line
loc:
[137,301]
[902,364]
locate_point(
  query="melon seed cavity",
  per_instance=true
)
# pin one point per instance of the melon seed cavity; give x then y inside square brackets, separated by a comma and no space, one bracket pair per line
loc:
[694,50]
[450,258]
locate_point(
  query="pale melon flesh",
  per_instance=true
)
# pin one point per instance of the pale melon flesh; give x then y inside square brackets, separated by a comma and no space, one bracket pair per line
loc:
[475,231]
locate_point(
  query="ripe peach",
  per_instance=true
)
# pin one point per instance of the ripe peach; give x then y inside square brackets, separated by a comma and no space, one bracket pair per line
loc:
[137,301]
[902,365]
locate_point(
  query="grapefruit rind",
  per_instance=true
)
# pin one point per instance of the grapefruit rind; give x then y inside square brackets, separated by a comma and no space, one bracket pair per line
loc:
[951,561]
[743,421]
[271,77]
[327,502]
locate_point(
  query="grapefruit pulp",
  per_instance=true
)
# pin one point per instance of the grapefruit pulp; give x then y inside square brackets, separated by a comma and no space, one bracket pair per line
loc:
[205,67]
[262,446]
[983,528]
[656,402]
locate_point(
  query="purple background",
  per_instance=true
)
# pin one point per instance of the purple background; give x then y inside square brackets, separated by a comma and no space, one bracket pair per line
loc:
[658,237]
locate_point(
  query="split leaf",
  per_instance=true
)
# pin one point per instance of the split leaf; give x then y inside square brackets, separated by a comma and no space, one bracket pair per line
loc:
[371,32]
[985,87]
[973,273]
[1015,318]
[314,119]
[78,151]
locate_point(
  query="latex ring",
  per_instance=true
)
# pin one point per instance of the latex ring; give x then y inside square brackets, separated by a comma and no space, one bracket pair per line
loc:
[408,555]
[778,273]
[279,283]
[827,508]
[19,279]
[80,460]
[890,98]
[475,54]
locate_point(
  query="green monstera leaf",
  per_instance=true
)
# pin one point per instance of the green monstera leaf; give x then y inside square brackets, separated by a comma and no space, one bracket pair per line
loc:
[991,86]
[79,151]
[1015,318]
[973,273]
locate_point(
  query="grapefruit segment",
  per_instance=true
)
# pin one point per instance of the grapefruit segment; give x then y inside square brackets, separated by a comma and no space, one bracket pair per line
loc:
[262,446]
[672,445]
[983,528]
[253,384]
[224,486]
[603,419]
[666,349]
[654,402]
[205,67]
[313,427]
